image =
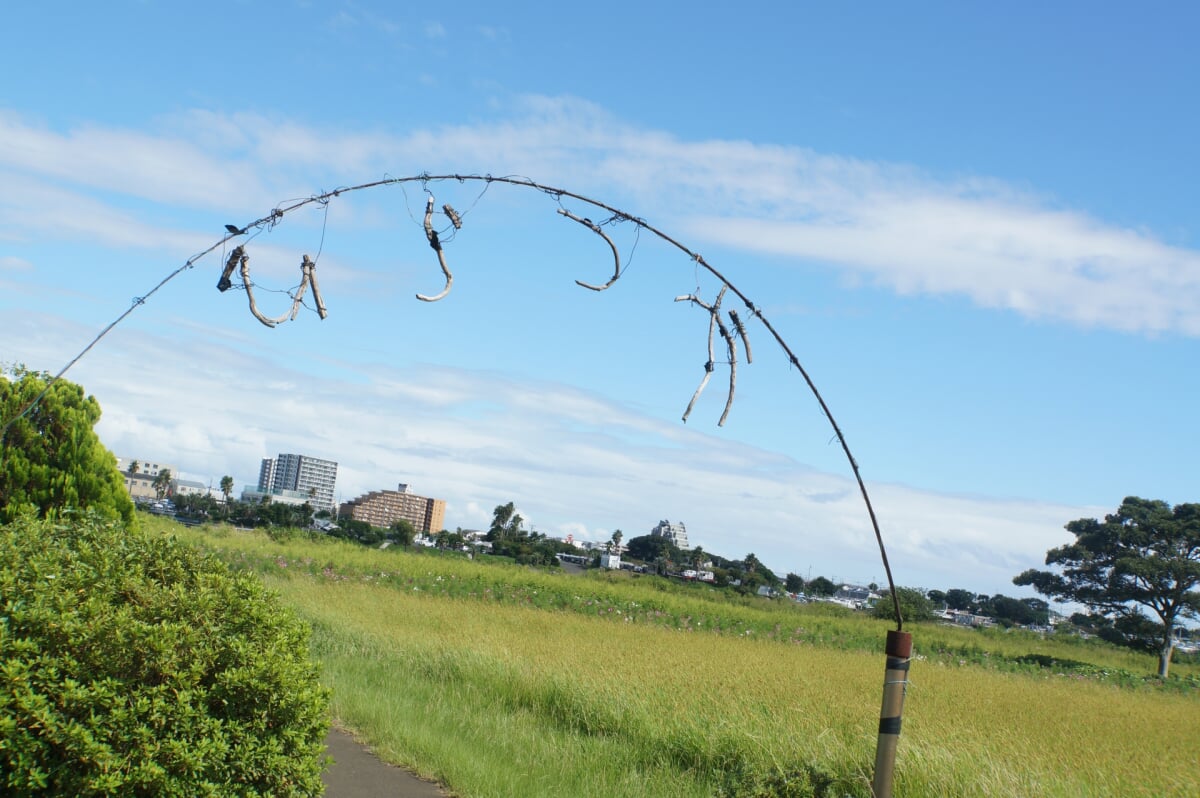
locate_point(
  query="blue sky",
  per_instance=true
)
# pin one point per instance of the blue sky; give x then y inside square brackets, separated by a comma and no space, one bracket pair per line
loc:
[976,227]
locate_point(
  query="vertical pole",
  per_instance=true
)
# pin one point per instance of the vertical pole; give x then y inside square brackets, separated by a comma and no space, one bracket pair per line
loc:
[895,682]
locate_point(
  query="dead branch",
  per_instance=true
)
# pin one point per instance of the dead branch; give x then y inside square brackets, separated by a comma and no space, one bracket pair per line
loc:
[595,228]
[224,284]
[741,328]
[432,235]
[310,272]
[731,346]
[715,324]
[307,275]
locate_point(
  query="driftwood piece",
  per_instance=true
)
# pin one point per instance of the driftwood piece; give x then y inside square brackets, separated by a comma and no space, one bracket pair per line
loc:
[311,273]
[715,324]
[224,284]
[741,328]
[308,275]
[595,228]
[436,244]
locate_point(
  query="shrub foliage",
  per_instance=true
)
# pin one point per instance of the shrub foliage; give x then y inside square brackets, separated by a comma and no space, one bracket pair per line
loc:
[135,665]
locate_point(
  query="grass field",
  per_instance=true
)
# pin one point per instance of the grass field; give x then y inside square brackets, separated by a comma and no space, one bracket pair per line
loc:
[501,681]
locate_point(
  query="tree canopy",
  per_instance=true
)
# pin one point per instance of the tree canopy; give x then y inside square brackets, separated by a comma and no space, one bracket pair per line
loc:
[51,458]
[648,548]
[914,605]
[821,587]
[1144,557]
[506,523]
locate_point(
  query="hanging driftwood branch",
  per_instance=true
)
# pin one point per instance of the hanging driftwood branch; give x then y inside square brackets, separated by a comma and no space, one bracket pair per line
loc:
[741,328]
[595,228]
[731,346]
[224,284]
[432,235]
[310,272]
[715,324]
[307,275]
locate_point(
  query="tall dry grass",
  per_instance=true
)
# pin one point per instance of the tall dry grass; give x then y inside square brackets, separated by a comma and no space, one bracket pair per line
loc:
[521,694]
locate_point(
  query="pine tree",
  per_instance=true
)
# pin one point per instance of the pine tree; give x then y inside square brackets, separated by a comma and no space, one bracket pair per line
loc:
[50,458]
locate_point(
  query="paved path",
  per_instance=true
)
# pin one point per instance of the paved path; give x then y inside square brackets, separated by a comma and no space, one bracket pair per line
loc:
[357,773]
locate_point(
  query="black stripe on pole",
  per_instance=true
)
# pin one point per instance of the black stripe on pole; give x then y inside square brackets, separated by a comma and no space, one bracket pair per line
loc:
[897,664]
[889,725]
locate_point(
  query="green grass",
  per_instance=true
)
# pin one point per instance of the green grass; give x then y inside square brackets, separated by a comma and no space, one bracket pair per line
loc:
[503,681]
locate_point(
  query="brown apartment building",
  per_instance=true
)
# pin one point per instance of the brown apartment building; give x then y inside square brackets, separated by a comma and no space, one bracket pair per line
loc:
[382,508]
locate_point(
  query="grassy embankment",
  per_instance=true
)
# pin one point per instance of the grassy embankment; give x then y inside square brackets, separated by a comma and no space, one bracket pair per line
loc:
[502,681]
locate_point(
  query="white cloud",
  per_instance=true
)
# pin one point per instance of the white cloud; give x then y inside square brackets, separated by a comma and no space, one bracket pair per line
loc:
[976,238]
[1037,263]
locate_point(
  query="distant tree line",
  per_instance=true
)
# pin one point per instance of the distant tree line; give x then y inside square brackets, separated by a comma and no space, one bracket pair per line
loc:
[509,538]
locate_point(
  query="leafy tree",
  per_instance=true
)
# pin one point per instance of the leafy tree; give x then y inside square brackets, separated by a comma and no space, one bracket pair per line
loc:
[616,540]
[938,597]
[197,506]
[506,523]
[1016,612]
[162,483]
[361,531]
[752,564]
[648,548]
[402,531]
[134,467]
[227,487]
[914,605]
[51,458]
[821,587]
[959,599]
[755,574]
[1145,556]
[794,583]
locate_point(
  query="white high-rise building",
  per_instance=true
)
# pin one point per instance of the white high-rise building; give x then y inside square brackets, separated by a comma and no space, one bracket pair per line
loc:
[674,532]
[310,476]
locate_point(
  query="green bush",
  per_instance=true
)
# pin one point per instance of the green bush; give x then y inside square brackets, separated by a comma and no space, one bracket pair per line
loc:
[914,606]
[134,665]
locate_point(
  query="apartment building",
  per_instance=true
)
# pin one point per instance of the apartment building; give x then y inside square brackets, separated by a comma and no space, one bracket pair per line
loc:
[675,532]
[140,482]
[382,508]
[308,476]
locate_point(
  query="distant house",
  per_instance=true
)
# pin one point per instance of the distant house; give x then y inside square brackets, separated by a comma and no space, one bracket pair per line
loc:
[965,618]
[189,487]
[699,576]
[855,596]
[292,497]
[611,560]
[140,483]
